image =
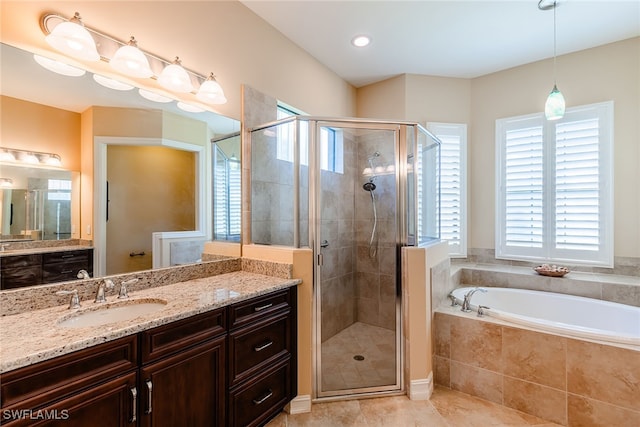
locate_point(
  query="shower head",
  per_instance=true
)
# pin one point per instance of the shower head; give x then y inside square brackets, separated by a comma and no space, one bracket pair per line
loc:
[374,155]
[369,186]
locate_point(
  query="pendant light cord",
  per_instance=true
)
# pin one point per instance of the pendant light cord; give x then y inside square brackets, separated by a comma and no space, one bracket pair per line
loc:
[554,44]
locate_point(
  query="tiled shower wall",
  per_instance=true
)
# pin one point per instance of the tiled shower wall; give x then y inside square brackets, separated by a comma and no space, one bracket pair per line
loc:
[376,276]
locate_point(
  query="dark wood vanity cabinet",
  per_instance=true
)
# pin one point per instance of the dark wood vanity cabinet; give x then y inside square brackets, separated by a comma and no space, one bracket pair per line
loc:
[262,357]
[182,378]
[93,386]
[17,271]
[233,366]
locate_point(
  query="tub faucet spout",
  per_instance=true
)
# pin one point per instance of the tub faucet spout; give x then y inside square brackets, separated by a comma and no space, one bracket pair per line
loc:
[466,303]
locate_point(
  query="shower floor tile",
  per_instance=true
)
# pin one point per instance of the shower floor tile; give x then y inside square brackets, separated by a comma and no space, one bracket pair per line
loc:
[340,369]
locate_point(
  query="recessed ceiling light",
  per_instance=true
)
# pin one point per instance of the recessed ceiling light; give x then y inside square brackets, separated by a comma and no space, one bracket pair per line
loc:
[361,41]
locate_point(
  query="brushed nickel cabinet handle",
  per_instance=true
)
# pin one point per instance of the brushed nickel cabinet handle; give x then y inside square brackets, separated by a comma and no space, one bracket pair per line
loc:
[150,388]
[264,398]
[134,405]
[262,307]
[263,346]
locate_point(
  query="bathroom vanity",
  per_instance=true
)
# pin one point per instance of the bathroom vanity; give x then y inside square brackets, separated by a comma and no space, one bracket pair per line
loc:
[31,267]
[213,356]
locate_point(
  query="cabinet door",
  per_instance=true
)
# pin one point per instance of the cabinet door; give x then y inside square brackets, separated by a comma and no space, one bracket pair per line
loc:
[111,404]
[187,389]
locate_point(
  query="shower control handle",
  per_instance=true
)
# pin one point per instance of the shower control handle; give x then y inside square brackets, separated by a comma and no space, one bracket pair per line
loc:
[324,244]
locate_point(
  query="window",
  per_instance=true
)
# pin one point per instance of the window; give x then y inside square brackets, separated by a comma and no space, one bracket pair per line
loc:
[554,185]
[59,189]
[227,195]
[330,143]
[453,185]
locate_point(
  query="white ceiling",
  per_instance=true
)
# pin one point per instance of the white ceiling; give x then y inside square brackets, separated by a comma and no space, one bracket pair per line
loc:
[452,38]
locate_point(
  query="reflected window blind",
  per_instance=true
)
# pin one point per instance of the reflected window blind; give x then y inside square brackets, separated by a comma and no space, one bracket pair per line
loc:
[235,199]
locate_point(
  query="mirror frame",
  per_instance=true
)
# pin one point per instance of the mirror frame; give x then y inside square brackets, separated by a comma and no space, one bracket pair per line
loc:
[160,255]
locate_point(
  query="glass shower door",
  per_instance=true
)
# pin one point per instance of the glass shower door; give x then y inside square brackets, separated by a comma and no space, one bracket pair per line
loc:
[358,326]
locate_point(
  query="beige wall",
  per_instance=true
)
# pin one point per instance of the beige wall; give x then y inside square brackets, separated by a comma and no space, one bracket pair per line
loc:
[36,127]
[610,72]
[223,37]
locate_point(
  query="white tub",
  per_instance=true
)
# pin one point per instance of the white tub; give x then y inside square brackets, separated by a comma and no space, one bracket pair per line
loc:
[565,314]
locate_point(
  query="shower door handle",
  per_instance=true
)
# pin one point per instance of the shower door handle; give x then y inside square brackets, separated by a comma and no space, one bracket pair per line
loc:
[324,244]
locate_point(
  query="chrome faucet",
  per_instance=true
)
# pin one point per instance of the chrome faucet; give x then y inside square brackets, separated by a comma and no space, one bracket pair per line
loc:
[75,299]
[124,291]
[82,274]
[466,304]
[100,294]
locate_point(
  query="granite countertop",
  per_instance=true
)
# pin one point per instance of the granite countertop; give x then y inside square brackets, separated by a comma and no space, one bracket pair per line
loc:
[34,336]
[48,249]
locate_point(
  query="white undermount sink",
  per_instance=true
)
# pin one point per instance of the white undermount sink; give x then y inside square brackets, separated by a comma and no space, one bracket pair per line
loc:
[111,312]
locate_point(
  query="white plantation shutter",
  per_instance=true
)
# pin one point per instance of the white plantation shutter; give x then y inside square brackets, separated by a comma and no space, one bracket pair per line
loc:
[453,185]
[554,199]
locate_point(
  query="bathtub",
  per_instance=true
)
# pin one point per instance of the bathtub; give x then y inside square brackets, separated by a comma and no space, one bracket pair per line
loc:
[564,314]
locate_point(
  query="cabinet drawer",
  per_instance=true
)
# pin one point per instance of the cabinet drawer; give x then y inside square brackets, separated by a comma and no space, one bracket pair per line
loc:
[14,261]
[179,335]
[255,308]
[19,277]
[63,271]
[257,401]
[254,347]
[33,386]
[66,256]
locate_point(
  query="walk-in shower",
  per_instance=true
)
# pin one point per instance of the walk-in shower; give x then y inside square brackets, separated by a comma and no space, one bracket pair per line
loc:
[355,191]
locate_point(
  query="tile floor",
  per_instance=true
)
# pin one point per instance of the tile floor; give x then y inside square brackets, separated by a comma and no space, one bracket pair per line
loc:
[377,346]
[446,408]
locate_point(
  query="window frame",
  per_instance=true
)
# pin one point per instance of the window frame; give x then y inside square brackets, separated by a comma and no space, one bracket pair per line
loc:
[549,252]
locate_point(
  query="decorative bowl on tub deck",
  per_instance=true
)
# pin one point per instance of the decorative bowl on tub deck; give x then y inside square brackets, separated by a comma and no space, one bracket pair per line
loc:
[551,270]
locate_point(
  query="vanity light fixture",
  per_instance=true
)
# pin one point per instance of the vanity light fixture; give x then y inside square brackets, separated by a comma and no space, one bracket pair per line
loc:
[555,105]
[111,83]
[73,39]
[155,97]
[16,155]
[211,92]
[175,78]
[6,183]
[59,67]
[131,61]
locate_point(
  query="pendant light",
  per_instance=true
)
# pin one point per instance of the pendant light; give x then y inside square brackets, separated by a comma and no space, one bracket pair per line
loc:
[73,39]
[555,105]
[130,60]
[175,78]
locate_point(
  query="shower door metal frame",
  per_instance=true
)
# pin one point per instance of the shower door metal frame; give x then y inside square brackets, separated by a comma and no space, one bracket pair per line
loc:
[400,152]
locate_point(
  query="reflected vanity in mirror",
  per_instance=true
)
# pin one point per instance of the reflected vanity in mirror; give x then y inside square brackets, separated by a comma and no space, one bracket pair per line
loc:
[93,116]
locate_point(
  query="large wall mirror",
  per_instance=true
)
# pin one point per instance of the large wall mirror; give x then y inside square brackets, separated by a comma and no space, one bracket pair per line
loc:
[26,83]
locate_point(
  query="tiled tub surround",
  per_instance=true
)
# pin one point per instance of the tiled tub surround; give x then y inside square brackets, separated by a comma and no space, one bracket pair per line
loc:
[568,381]
[32,335]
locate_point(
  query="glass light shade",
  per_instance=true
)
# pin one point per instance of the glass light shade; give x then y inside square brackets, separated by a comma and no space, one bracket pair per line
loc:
[130,60]
[152,96]
[211,92]
[29,158]
[190,108]
[53,160]
[175,78]
[554,107]
[7,156]
[71,38]
[59,67]
[111,83]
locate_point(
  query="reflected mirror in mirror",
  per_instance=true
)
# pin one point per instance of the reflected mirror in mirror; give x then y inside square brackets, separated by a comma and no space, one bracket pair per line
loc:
[36,204]
[23,79]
